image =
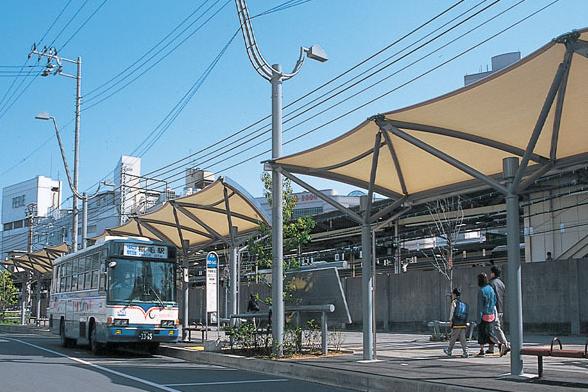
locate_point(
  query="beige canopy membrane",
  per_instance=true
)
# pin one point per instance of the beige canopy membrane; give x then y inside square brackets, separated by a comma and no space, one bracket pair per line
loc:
[202,218]
[40,261]
[535,110]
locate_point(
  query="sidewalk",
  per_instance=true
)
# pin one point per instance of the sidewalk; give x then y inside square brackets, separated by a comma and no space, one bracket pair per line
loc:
[410,363]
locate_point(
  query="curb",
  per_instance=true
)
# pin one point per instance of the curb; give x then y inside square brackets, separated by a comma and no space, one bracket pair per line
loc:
[28,329]
[359,381]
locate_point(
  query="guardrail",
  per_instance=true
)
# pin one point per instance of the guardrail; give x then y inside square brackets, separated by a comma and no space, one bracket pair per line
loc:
[298,309]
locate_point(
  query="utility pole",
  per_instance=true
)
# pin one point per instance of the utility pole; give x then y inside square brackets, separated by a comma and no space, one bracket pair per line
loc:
[275,76]
[57,69]
[31,213]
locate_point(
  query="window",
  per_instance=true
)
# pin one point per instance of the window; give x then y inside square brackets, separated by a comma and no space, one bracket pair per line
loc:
[17,224]
[299,212]
[8,226]
[18,201]
[91,228]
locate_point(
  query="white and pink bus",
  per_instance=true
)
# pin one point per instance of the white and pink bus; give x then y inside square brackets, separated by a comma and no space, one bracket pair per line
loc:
[120,291]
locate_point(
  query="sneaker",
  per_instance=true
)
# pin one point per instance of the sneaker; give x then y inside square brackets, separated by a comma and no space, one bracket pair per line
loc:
[490,351]
[481,353]
[465,355]
[447,352]
[504,350]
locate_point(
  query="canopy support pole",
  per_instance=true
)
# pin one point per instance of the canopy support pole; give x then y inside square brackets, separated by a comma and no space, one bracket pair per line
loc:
[551,94]
[514,298]
[353,215]
[367,283]
[190,215]
[233,255]
[559,106]
[392,151]
[449,159]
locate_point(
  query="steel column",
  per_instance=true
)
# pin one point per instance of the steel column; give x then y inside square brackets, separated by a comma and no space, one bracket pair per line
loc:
[186,290]
[84,220]
[234,279]
[277,218]
[367,285]
[74,217]
[514,297]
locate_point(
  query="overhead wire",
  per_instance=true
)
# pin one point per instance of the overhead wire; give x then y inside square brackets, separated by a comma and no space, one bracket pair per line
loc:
[315,89]
[391,91]
[217,149]
[95,101]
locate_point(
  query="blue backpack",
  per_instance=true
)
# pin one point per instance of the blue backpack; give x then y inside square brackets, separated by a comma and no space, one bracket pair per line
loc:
[460,315]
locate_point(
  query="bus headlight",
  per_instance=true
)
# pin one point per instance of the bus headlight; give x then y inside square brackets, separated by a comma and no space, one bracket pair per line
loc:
[168,323]
[120,322]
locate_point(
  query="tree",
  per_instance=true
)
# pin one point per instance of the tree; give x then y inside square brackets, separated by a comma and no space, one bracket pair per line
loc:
[447,216]
[8,293]
[296,231]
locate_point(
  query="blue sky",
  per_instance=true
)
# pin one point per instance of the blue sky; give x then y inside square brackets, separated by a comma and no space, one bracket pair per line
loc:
[233,95]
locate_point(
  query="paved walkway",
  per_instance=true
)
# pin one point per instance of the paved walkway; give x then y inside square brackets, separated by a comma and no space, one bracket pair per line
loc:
[412,362]
[414,357]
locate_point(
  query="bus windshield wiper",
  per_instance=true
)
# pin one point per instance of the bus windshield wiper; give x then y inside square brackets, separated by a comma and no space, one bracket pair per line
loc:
[157,296]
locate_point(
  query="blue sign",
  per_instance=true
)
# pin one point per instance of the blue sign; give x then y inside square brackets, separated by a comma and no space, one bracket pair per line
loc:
[211,260]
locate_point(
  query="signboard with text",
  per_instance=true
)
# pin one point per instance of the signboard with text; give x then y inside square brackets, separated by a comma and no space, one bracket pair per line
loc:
[147,251]
[211,282]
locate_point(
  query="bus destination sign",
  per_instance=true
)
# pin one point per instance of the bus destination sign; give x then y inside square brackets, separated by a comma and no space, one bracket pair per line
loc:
[149,251]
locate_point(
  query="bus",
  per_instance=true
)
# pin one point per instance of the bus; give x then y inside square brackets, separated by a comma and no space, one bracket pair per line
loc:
[122,290]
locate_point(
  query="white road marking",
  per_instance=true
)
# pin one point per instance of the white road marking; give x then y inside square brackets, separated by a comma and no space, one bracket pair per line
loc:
[143,381]
[3,341]
[228,382]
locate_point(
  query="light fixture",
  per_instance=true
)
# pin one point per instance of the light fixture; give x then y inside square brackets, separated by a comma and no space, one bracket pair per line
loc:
[43,116]
[317,53]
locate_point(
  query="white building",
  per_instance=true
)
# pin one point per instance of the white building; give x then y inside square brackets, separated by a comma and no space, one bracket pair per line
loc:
[41,192]
[309,204]
[498,62]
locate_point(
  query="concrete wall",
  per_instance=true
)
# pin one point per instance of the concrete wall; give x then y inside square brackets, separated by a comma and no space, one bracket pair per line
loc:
[554,297]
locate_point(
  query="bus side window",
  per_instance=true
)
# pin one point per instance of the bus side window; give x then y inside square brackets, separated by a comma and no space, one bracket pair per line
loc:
[102,276]
[95,269]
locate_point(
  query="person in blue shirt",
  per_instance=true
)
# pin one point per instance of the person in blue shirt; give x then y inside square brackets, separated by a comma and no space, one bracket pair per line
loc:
[486,313]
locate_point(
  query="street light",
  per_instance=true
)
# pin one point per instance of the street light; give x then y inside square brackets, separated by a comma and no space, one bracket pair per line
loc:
[51,69]
[73,186]
[275,76]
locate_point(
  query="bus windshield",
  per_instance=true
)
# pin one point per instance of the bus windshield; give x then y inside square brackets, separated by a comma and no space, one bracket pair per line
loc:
[141,281]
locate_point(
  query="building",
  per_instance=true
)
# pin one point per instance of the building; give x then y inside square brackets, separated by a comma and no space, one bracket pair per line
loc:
[40,193]
[308,204]
[498,62]
[197,179]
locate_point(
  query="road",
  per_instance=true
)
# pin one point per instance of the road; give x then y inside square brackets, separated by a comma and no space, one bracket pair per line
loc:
[38,363]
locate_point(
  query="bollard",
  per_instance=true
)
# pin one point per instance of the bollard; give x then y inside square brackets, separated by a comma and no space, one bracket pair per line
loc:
[324,331]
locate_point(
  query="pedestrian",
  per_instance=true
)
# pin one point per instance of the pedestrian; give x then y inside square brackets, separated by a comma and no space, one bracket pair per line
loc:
[486,313]
[549,257]
[458,318]
[499,290]
[252,305]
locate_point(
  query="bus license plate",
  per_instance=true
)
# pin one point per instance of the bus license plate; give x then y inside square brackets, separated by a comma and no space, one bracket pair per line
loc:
[146,335]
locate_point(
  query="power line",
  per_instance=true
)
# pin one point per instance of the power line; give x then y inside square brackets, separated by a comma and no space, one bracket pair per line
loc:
[82,25]
[99,101]
[387,93]
[91,92]
[179,107]
[71,19]
[314,90]
[290,119]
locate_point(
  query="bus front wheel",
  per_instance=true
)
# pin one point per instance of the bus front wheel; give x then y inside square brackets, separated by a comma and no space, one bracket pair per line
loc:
[65,341]
[95,346]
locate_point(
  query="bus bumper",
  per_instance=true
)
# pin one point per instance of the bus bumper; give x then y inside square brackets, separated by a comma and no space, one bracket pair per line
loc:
[142,334]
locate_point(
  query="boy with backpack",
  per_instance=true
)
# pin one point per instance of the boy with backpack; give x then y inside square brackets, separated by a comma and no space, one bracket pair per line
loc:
[458,316]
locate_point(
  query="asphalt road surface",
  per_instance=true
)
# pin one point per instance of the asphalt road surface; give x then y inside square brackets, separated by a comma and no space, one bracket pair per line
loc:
[34,363]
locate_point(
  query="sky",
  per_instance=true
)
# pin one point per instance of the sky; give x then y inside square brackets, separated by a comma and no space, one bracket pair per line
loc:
[205,59]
